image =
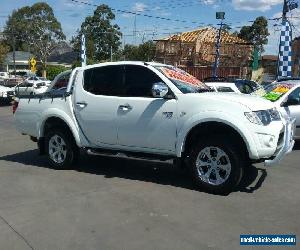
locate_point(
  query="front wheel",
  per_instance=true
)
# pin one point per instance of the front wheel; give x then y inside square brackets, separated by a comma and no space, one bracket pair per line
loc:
[216,165]
[61,149]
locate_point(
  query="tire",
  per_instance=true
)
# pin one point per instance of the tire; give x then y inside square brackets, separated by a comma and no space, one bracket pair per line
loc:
[217,165]
[61,148]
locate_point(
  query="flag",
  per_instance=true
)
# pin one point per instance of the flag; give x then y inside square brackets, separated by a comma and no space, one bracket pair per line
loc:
[285,51]
[83,51]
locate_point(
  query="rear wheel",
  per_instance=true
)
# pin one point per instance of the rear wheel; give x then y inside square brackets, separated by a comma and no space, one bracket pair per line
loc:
[61,148]
[216,165]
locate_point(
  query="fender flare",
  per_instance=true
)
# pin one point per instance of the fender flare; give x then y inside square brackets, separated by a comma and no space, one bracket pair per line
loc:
[57,113]
[220,117]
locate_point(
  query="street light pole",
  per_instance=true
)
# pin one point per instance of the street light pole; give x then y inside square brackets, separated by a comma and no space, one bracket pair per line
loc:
[285,9]
[219,15]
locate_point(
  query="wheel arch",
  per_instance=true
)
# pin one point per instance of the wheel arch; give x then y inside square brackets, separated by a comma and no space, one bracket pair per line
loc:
[58,121]
[212,127]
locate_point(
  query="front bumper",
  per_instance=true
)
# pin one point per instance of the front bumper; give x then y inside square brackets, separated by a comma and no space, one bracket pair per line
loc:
[288,143]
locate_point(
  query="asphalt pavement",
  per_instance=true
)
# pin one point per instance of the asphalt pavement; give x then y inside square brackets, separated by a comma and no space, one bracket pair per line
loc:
[107,203]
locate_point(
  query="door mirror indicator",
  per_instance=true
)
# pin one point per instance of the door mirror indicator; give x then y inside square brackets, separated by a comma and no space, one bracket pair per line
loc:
[159,90]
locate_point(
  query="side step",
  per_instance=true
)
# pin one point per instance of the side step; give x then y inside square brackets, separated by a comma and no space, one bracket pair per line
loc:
[130,155]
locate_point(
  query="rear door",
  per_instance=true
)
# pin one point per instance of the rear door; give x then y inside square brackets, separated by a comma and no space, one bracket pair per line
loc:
[96,104]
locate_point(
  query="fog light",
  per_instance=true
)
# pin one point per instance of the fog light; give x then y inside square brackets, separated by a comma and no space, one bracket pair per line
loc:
[267,140]
[270,142]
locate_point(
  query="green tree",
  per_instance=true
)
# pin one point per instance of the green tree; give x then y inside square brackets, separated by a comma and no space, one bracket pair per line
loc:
[3,51]
[257,33]
[34,28]
[142,52]
[102,36]
[53,71]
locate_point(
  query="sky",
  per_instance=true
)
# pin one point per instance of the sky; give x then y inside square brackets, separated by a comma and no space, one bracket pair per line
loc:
[167,16]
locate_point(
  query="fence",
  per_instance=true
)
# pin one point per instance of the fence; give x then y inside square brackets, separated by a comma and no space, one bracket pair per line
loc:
[203,72]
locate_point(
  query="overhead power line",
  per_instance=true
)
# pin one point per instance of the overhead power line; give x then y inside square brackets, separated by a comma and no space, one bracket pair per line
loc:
[140,13]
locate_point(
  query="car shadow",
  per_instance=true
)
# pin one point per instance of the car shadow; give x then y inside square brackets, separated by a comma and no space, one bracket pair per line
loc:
[155,172]
[297,145]
[5,104]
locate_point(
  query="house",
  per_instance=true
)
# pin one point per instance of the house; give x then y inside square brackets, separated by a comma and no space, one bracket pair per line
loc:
[296,56]
[197,48]
[21,61]
[269,65]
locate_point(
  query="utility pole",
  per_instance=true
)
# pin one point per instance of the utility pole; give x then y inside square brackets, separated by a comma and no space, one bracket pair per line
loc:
[134,29]
[14,54]
[219,15]
[111,53]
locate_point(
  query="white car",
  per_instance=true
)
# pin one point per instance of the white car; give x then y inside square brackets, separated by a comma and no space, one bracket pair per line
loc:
[6,94]
[45,80]
[4,75]
[155,111]
[228,87]
[239,86]
[285,94]
[30,88]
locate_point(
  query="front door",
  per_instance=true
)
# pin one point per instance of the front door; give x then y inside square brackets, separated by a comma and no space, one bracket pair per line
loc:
[145,123]
[96,104]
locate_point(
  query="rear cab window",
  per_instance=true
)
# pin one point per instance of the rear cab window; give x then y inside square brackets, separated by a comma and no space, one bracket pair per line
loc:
[60,83]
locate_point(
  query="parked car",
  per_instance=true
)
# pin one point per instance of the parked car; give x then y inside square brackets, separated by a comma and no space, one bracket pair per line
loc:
[285,94]
[6,94]
[30,88]
[45,80]
[12,82]
[155,111]
[4,75]
[240,86]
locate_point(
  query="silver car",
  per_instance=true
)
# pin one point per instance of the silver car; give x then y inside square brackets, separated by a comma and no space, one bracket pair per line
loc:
[286,96]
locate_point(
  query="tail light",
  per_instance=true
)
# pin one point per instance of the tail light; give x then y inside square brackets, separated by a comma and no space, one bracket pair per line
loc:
[15,106]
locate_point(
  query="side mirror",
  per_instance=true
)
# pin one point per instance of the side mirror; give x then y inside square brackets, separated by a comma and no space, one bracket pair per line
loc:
[159,90]
[290,102]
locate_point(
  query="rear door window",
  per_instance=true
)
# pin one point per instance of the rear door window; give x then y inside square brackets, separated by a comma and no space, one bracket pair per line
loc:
[105,80]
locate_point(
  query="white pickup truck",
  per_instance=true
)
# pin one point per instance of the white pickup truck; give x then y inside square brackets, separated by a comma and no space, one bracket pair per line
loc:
[154,111]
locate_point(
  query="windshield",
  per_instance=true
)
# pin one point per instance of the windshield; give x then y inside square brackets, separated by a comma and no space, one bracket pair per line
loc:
[274,92]
[185,82]
[246,87]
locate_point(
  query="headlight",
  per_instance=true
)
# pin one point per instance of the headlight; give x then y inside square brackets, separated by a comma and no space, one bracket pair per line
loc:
[263,117]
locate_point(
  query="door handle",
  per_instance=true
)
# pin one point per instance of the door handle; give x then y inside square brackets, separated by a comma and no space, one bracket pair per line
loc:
[125,107]
[81,104]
